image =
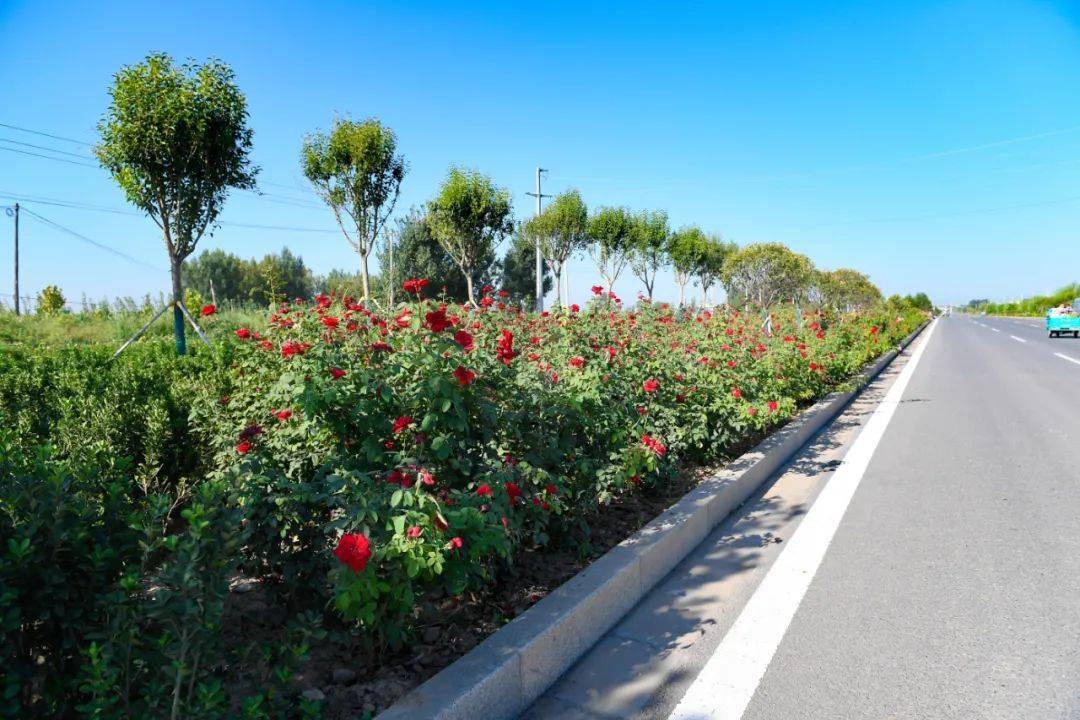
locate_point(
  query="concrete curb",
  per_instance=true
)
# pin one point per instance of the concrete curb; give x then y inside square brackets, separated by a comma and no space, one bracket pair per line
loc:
[502,676]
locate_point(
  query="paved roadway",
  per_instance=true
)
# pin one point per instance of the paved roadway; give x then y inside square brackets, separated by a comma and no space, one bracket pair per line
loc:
[950,587]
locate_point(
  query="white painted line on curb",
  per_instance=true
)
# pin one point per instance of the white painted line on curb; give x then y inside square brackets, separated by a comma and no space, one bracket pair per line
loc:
[1018,339]
[1066,357]
[724,687]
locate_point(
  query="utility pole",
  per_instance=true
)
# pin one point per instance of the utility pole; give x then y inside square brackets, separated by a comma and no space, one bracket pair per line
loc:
[390,245]
[539,255]
[16,259]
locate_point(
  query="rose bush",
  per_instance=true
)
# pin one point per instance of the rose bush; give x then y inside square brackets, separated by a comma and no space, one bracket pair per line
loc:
[441,438]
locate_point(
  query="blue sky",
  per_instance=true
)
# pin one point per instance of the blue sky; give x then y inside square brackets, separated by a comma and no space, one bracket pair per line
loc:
[933,145]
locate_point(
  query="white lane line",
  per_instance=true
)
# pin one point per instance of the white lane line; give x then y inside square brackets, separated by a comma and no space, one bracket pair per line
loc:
[727,683]
[995,329]
[1066,357]
[1018,339]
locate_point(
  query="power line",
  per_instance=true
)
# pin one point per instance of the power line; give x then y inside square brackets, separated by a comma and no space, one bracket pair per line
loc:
[45,134]
[73,205]
[47,157]
[83,156]
[91,241]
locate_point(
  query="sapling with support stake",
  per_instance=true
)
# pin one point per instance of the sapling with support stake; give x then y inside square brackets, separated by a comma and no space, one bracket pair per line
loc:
[176,139]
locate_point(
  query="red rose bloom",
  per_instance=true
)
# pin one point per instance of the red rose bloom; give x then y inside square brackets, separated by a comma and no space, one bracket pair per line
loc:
[402,423]
[658,448]
[436,320]
[464,339]
[329,321]
[243,333]
[354,551]
[381,347]
[208,310]
[736,393]
[577,361]
[513,492]
[772,406]
[415,531]
[456,542]
[414,286]
[283,415]
[505,349]
[651,385]
[464,376]
[243,447]
[337,373]
[484,490]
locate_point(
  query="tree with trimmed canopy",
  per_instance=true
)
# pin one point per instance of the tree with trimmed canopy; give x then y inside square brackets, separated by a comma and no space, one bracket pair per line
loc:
[176,140]
[357,171]
[649,242]
[562,229]
[610,233]
[469,217]
[764,274]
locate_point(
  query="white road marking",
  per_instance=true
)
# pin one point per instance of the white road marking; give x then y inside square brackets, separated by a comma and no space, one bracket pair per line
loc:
[724,687]
[1018,339]
[1066,357]
[995,329]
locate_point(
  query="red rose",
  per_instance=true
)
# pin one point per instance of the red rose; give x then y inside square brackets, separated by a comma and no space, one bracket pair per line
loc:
[484,491]
[736,393]
[773,405]
[597,290]
[329,321]
[456,542]
[658,448]
[513,492]
[464,376]
[651,385]
[243,447]
[208,310]
[283,414]
[381,347]
[243,333]
[354,551]
[464,339]
[414,286]
[337,373]
[415,531]
[402,423]
[577,361]
[504,351]
[436,320]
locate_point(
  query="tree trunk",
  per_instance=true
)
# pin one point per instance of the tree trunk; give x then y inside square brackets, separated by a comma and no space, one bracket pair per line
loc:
[364,275]
[177,298]
[681,288]
[558,285]
[469,287]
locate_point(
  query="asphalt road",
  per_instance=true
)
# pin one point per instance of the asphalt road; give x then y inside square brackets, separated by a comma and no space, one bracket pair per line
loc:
[951,586]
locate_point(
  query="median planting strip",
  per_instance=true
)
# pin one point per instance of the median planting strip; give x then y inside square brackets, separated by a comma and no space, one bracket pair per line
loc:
[502,676]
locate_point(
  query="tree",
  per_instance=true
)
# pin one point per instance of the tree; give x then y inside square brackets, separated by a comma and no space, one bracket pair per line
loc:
[685,247]
[176,139]
[921,301]
[418,254]
[50,301]
[281,277]
[562,229]
[765,273]
[847,289]
[222,271]
[357,172]
[610,232]
[518,271]
[469,217]
[649,241]
[710,263]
